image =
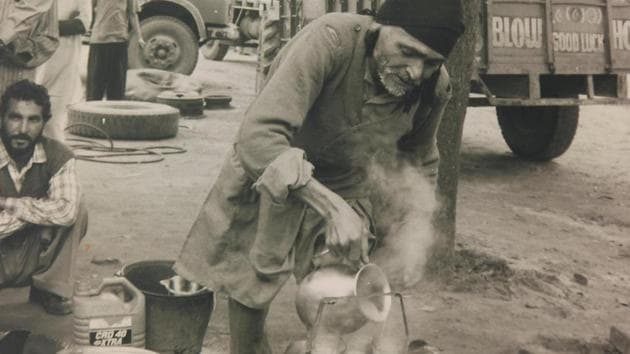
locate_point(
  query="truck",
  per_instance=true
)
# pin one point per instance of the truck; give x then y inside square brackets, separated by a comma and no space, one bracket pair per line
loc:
[537,61]
[174,30]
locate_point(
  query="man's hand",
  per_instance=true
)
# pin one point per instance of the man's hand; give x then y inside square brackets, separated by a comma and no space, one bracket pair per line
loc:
[141,42]
[347,235]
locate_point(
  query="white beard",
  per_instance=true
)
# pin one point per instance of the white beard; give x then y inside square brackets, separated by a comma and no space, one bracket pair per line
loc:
[392,84]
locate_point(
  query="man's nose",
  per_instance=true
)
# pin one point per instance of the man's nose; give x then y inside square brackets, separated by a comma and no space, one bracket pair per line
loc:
[24,126]
[415,71]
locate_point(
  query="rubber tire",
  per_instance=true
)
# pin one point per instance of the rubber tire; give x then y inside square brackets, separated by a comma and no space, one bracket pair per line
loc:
[538,133]
[214,50]
[128,120]
[187,107]
[171,27]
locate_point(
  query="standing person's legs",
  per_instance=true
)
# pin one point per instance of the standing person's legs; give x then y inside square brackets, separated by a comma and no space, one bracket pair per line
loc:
[97,71]
[118,74]
[247,329]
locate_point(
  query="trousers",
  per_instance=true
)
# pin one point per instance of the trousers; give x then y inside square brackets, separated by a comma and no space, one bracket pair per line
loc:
[43,256]
[107,71]
[247,329]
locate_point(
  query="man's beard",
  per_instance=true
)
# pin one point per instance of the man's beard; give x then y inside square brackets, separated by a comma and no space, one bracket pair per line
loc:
[394,81]
[392,84]
[19,153]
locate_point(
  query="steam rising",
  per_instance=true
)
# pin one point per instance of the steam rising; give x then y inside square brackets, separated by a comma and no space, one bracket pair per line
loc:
[404,202]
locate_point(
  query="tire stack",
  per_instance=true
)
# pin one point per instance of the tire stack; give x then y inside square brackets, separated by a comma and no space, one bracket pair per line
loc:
[189,104]
[127,120]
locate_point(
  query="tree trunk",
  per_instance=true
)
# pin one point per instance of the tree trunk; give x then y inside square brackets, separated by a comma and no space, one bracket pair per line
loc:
[460,65]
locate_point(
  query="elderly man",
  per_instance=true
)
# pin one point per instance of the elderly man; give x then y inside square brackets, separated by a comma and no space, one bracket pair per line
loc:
[41,221]
[28,37]
[346,88]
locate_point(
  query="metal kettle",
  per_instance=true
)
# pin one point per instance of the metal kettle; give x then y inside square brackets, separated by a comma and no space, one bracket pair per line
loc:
[339,299]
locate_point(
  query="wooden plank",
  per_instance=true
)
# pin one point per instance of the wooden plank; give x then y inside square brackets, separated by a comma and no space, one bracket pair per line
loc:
[590,87]
[548,36]
[515,102]
[534,86]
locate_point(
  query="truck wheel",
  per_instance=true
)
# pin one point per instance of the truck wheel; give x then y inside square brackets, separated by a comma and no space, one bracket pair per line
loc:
[170,45]
[128,120]
[538,133]
[214,50]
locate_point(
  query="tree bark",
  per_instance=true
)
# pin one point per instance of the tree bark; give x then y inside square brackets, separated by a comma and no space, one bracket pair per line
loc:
[460,67]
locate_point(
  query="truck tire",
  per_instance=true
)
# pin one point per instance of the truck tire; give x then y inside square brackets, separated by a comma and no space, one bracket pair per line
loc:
[170,45]
[128,120]
[538,133]
[189,104]
[214,50]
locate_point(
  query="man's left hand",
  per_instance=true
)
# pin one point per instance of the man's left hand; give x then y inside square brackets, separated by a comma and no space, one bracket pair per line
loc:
[347,236]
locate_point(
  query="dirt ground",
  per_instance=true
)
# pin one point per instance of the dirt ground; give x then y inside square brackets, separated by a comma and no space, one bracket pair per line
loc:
[544,249]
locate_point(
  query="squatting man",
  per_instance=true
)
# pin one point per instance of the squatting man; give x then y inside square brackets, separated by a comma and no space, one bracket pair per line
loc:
[347,87]
[41,218]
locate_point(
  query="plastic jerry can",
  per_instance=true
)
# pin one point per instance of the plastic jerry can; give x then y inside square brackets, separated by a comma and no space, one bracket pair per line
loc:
[108,314]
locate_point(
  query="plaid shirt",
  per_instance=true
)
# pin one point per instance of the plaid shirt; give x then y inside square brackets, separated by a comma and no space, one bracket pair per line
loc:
[60,207]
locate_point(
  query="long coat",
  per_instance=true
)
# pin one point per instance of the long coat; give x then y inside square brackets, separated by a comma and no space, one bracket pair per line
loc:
[318,108]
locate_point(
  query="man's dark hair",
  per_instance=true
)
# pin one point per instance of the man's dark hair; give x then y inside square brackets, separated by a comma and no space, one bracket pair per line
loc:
[26,90]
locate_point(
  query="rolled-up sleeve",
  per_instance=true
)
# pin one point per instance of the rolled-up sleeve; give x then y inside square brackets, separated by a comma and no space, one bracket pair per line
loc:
[295,82]
[289,171]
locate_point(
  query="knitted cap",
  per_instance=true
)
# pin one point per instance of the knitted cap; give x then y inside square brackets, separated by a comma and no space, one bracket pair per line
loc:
[436,23]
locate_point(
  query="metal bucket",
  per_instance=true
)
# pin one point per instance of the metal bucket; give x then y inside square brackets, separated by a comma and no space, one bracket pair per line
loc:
[174,324]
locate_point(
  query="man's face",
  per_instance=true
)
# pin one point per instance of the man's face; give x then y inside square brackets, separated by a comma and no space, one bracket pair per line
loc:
[22,125]
[403,62]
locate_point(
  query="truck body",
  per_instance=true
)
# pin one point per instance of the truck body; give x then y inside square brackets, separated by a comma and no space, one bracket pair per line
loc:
[537,60]
[175,29]
[538,50]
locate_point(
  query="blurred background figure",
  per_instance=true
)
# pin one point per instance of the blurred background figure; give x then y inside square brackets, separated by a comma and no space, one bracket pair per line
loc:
[28,37]
[114,20]
[60,74]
